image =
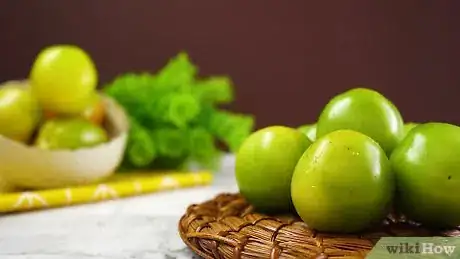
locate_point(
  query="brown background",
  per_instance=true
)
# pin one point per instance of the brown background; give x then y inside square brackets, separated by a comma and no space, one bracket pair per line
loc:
[286,57]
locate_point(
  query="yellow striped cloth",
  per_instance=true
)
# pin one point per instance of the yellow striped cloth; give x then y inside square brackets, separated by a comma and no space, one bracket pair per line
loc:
[118,186]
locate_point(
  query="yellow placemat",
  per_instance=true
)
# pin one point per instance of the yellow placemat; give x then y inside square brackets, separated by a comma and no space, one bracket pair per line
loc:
[120,185]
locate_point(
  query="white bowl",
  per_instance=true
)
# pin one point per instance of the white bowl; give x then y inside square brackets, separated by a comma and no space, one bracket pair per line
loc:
[31,167]
[5,186]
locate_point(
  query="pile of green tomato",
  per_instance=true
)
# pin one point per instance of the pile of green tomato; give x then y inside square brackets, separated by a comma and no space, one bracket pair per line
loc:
[354,166]
[57,106]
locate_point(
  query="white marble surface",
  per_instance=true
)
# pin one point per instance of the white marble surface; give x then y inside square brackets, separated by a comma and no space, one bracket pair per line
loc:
[134,228]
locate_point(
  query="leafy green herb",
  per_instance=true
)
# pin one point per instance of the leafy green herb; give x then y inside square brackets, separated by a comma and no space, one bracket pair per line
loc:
[175,116]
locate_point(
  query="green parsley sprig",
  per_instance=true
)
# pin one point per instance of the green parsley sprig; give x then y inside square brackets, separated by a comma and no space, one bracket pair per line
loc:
[175,116]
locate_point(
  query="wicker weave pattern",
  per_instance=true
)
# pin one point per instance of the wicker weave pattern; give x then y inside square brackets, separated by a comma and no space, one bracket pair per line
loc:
[227,227]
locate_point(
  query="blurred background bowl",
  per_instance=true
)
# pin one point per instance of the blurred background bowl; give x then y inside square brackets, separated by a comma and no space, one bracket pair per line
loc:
[5,186]
[31,167]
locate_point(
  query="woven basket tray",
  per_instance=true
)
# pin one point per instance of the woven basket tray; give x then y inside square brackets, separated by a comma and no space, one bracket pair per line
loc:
[227,227]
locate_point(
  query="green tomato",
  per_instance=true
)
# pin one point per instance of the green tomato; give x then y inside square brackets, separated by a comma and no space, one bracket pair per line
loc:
[408,127]
[427,168]
[343,183]
[365,111]
[309,130]
[63,77]
[70,134]
[19,113]
[264,166]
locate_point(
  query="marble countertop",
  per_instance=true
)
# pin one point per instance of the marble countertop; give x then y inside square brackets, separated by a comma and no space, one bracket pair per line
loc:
[142,227]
